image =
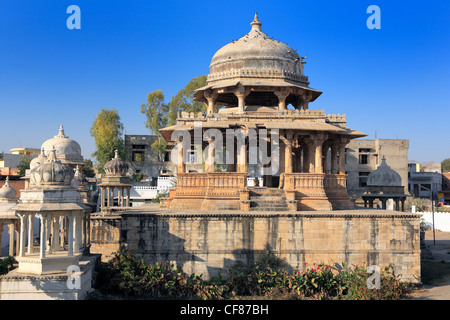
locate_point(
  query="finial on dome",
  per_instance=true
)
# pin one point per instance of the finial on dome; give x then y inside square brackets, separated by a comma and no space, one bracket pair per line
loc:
[116,152]
[255,23]
[52,155]
[7,182]
[61,132]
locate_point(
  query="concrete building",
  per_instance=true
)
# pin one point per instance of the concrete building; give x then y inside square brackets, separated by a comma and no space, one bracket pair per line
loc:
[364,155]
[143,160]
[10,161]
[424,179]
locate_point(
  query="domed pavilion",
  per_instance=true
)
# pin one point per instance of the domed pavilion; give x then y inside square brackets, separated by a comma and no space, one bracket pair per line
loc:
[115,180]
[298,152]
[383,184]
[7,215]
[62,214]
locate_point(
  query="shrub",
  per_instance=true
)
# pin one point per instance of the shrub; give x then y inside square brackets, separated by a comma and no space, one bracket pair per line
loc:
[6,264]
[258,277]
[128,276]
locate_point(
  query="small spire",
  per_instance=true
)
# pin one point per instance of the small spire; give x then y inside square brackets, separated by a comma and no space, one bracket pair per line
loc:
[6,182]
[52,155]
[61,132]
[116,154]
[255,23]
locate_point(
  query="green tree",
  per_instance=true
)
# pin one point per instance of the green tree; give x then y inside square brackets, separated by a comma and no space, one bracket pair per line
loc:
[184,99]
[156,111]
[88,169]
[159,114]
[107,130]
[446,164]
[24,165]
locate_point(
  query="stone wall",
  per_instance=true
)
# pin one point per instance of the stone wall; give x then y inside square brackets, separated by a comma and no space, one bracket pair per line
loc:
[204,243]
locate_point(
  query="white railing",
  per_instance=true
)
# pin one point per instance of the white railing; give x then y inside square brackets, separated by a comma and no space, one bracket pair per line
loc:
[251,182]
[143,192]
[165,183]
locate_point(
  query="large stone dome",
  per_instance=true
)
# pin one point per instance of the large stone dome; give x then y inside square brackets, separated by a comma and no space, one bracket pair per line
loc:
[256,55]
[67,150]
[384,176]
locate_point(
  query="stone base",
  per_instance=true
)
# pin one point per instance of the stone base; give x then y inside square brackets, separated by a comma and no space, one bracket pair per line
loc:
[207,242]
[58,286]
[311,204]
[53,263]
[342,204]
[220,204]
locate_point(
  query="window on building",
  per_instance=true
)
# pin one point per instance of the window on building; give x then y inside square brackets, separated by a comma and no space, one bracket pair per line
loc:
[363,179]
[137,156]
[138,152]
[191,157]
[364,150]
[363,159]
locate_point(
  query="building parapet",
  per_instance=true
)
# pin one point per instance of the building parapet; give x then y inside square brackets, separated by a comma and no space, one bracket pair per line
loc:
[257,73]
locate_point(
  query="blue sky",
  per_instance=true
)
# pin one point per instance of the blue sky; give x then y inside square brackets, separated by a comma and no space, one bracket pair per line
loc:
[393,82]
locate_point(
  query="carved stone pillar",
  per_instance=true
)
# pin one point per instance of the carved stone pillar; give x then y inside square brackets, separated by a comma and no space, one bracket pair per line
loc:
[242,156]
[341,144]
[281,95]
[23,225]
[307,97]
[288,167]
[128,196]
[43,236]
[30,233]
[102,197]
[210,157]
[11,238]
[70,233]
[211,97]
[315,143]
[241,93]
[181,168]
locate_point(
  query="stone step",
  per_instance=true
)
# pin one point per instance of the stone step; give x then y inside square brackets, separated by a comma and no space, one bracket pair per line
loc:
[268,209]
[254,205]
[269,202]
[266,198]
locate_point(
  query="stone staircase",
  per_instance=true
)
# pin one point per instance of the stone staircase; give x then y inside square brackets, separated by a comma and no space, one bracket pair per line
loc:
[268,199]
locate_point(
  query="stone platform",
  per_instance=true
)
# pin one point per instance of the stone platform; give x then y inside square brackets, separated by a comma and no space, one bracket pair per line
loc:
[207,242]
[54,286]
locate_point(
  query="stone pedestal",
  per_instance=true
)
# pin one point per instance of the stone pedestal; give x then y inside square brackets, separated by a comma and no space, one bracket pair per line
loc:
[56,263]
[55,286]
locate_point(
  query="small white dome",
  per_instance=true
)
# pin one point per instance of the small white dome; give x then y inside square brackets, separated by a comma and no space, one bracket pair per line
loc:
[38,160]
[51,172]
[7,192]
